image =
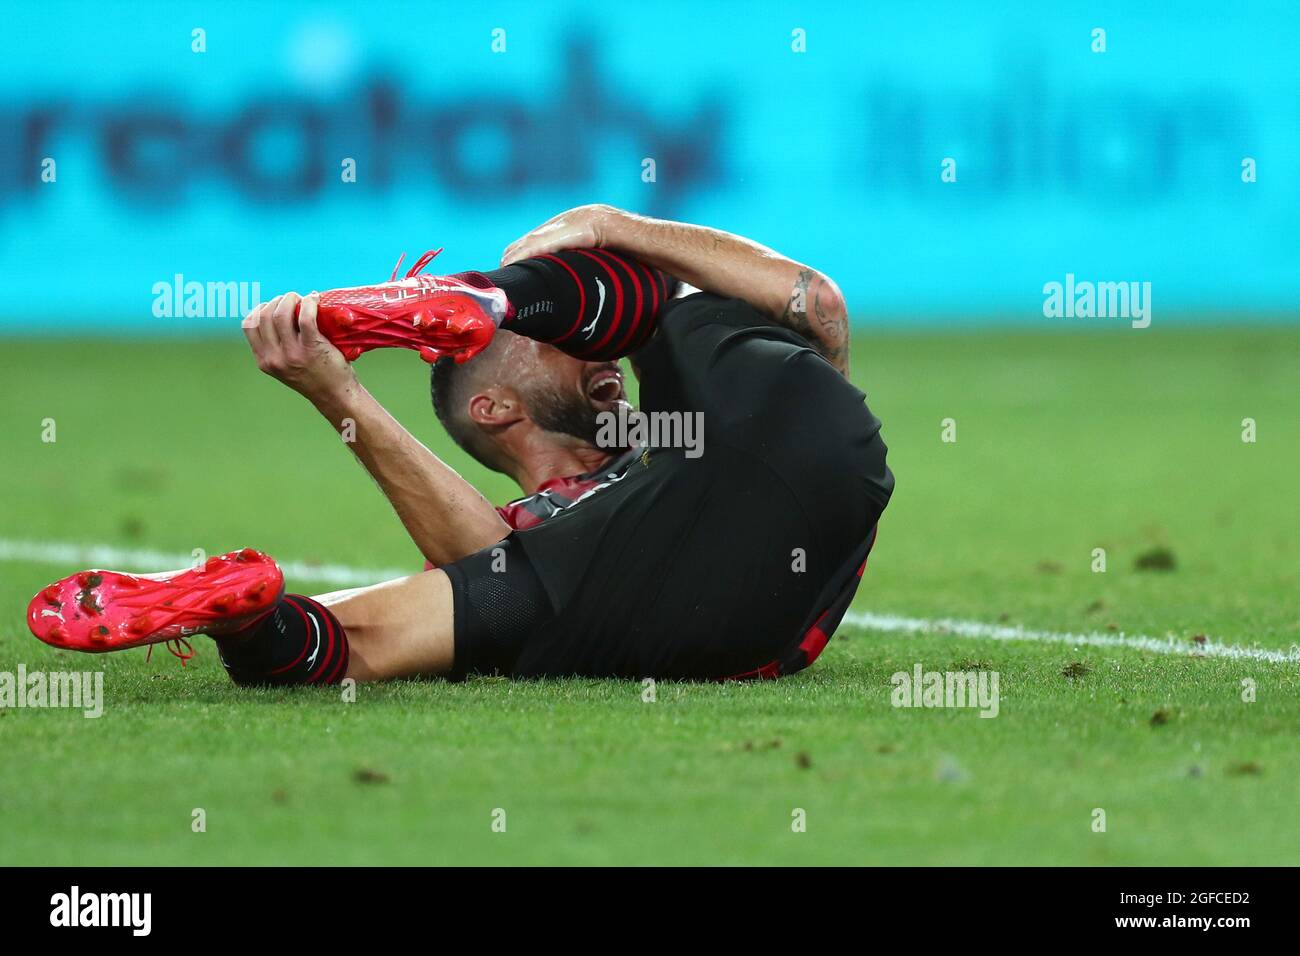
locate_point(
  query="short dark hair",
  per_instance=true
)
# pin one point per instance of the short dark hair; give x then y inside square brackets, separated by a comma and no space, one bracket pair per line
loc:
[449,386]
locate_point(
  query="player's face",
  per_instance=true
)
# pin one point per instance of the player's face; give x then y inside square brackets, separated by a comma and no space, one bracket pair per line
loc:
[565,394]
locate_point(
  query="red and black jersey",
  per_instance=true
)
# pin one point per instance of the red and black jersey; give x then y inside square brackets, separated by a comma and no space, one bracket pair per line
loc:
[821,627]
[737,562]
[557,494]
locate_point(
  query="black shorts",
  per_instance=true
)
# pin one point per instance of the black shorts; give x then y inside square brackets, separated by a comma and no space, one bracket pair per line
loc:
[691,567]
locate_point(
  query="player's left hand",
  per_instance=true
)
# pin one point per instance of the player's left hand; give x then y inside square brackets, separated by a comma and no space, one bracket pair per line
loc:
[584,227]
[288,346]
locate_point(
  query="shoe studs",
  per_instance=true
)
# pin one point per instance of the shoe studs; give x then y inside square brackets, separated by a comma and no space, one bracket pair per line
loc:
[221,603]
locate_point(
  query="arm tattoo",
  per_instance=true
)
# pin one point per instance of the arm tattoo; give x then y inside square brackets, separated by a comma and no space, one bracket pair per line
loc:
[830,336]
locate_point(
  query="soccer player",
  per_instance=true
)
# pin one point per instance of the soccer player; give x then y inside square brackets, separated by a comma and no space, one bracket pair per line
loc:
[625,562]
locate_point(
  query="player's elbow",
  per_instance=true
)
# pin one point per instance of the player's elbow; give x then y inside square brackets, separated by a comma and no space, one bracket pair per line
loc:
[829,307]
[828,321]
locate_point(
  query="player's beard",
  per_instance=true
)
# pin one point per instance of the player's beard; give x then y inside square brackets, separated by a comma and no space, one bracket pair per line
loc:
[564,413]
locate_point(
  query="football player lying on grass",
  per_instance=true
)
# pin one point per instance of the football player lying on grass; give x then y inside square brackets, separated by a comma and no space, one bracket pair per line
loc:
[653,561]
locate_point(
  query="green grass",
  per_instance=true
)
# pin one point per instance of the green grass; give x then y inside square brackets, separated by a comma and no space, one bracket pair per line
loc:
[1124,440]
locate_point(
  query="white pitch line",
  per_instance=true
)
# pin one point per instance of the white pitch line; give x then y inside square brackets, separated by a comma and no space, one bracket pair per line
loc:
[977,630]
[75,557]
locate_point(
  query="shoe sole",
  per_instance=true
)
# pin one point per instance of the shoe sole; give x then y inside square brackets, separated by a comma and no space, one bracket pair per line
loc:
[98,611]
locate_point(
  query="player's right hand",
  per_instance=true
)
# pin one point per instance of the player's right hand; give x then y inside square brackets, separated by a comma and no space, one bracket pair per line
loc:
[288,346]
[580,228]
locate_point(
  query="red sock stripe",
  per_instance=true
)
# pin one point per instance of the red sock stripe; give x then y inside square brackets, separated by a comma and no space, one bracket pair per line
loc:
[340,670]
[652,278]
[654,287]
[306,624]
[334,649]
[582,295]
[328,659]
[643,335]
[618,298]
[635,320]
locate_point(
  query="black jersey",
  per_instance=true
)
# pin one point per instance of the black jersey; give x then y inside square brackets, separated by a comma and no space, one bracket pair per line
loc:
[738,562]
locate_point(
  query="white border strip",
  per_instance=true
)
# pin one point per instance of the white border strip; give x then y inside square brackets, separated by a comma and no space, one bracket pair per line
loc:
[75,557]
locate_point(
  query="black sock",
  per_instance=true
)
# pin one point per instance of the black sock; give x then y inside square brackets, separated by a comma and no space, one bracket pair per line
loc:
[593,304]
[299,642]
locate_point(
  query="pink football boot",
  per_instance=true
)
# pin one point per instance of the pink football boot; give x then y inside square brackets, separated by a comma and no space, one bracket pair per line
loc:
[110,610]
[434,315]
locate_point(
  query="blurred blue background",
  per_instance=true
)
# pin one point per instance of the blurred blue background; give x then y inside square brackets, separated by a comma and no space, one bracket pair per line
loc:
[225,165]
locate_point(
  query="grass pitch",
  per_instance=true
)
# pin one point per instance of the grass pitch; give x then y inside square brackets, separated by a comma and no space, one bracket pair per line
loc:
[1126,440]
